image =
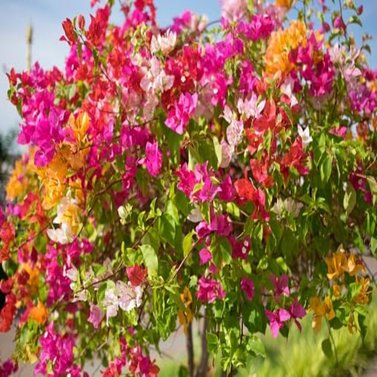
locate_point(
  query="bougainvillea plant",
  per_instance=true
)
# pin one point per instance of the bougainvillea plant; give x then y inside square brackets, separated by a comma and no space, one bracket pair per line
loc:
[223,173]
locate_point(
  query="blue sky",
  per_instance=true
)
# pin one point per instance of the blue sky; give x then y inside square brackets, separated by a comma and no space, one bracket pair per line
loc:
[47,15]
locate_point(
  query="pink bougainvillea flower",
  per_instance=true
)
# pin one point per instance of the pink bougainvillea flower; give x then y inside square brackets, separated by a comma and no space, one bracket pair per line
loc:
[209,290]
[8,368]
[339,131]
[197,184]
[280,286]
[240,249]
[153,159]
[247,285]
[179,116]
[259,27]
[277,320]
[220,224]
[227,192]
[250,107]
[339,23]
[297,311]
[205,256]
[233,9]
[56,348]
[96,316]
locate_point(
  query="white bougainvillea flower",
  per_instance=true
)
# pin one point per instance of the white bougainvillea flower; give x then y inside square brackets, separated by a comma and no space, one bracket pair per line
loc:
[250,108]
[287,205]
[67,217]
[110,302]
[62,235]
[234,134]
[122,295]
[164,43]
[155,78]
[195,215]
[226,154]
[229,115]
[287,89]
[235,128]
[305,135]
[129,297]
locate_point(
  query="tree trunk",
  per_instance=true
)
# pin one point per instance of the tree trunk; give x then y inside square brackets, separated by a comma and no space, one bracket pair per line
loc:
[190,351]
[203,366]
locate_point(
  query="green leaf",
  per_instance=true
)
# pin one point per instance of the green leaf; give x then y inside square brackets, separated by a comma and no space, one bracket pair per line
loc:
[354,20]
[187,243]
[262,264]
[373,187]
[150,259]
[233,210]
[354,289]
[183,371]
[218,150]
[362,325]
[256,345]
[222,251]
[167,228]
[326,168]
[71,91]
[101,292]
[327,348]
[212,342]
[289,244]
[373,245]
[172,210]
[349,200]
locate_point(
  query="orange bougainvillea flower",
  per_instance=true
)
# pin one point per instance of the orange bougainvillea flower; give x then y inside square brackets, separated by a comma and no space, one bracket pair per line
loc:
[336,264]
[33,276]
[79,125]
[363,296]
[39,313]
[321,309]
[354,265]
[17,181]
[341,261]
[185,317]
[280,45]
[53,179]
[285,3]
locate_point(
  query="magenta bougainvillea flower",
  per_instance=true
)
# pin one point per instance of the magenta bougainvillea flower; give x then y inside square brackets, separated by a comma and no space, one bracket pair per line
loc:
[210,290]
[179,117]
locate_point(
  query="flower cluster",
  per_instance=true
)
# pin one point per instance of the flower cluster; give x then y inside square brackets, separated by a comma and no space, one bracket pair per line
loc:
[349,289]
[197,172]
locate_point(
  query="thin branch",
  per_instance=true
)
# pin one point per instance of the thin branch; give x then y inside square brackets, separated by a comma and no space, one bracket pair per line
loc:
[185,259]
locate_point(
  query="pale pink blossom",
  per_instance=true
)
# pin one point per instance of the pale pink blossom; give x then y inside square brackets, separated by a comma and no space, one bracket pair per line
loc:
[164,43]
